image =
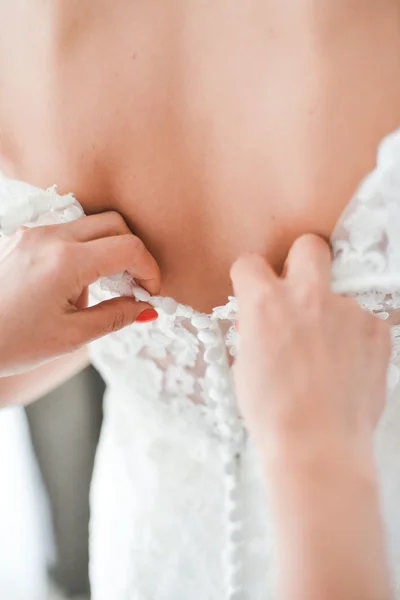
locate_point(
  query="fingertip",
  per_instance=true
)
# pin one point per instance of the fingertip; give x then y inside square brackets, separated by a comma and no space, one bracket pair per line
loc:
[310,244]
[109,316]
[309,259]
[249,270]
[147,316]
[242,264]
[151,284]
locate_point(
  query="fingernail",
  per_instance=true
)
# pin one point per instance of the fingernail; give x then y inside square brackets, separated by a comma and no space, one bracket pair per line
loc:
[237,325]
[147,315]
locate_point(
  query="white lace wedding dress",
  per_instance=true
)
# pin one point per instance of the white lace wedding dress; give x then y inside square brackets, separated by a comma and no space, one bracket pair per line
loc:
[179,511]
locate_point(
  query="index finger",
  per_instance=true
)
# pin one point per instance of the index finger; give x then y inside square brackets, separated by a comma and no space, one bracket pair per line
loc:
[116,254]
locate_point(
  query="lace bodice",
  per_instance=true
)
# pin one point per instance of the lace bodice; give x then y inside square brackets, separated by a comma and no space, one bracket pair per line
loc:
[170,388]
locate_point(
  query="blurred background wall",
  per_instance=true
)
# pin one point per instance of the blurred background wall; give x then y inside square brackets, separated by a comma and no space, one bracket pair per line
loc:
[65,427]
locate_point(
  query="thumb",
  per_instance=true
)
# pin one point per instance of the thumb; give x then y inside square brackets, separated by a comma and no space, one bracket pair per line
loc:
[111,315]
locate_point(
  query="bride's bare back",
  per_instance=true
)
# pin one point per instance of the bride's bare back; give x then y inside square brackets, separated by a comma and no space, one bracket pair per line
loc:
[213,127]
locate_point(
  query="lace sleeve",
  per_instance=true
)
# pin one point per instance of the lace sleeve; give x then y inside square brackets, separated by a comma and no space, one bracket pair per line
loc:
[366,243]
[24,205]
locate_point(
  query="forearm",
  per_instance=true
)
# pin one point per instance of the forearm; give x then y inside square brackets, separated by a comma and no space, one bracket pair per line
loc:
[28,387]
[330,541]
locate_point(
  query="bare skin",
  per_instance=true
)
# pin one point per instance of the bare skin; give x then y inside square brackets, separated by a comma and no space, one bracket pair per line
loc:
[213,128]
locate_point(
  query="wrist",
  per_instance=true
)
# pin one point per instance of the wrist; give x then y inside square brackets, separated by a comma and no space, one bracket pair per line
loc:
[325,512]
[322,454]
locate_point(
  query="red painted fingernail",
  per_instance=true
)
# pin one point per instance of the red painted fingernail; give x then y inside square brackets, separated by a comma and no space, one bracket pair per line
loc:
[147,315]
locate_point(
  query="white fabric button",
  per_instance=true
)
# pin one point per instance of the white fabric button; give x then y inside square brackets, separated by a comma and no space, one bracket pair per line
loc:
[207,337]
[234,575]
[217,396]
[201,322]
[223,413]
[234,447]
[213,354]
[234,514]
[225,431]
[235,535]
[234,495]
[232,554]
[230,468]
[230,483]
[238,433]
[141,295]
[169,306]
[214,373]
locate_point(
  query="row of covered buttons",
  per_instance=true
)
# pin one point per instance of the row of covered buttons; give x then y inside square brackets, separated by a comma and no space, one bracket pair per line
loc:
[231,431]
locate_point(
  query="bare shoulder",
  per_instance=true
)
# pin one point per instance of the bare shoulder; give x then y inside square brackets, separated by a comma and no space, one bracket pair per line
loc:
[49,130]
[24,82]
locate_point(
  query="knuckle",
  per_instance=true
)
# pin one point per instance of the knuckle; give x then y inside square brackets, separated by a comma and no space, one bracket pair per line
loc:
[115,218]
[42,234]
[28,236]
[34,240]
[136,245]
[117,322]
[61,254]
[245,264]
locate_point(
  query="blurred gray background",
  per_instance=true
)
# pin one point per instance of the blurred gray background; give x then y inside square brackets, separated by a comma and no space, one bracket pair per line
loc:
[65,427]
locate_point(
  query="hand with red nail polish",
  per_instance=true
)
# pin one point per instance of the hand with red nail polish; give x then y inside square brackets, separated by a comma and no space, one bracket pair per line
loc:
[43,307]
[148,315]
